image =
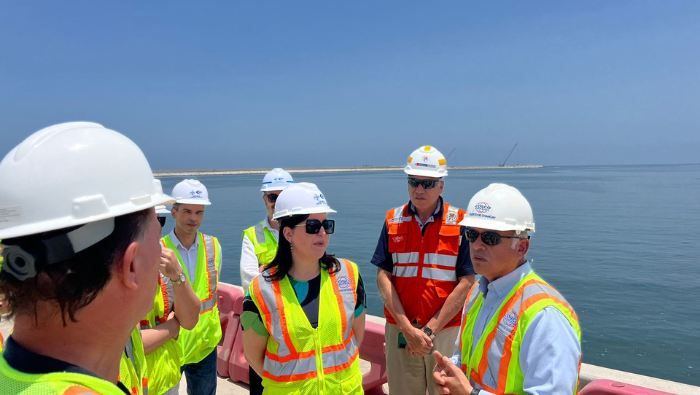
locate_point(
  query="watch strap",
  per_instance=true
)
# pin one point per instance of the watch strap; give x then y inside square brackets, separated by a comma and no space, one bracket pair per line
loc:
[475,391]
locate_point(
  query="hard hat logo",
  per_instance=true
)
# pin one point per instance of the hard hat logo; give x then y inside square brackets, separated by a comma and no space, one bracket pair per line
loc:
[482,207]
[426,161]
[320,199]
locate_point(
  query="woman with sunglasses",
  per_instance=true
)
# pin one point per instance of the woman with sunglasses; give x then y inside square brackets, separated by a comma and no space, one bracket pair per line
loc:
[303,318]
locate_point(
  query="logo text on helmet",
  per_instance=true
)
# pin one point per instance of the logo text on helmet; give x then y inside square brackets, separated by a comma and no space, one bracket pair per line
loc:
[196,194]
[425,159]
[482,207]
[320,199]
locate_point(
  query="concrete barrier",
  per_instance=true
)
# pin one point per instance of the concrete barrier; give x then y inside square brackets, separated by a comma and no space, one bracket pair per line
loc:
[609,387]
[229,296]
[372,351]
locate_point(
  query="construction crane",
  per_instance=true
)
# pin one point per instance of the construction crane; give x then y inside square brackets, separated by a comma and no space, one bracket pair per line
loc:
[450,154]
[509,154]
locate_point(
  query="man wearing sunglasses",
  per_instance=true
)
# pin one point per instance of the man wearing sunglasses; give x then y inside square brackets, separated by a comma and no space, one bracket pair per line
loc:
[519,335]
[259,244]
[423,275]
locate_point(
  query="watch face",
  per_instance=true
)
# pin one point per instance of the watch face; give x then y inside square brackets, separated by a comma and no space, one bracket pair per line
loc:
[428,331]
[182,277]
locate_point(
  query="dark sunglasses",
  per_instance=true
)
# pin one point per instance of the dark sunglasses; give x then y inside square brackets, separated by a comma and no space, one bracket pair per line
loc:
[162,221]
[427,184]
[313,226]
[489,238]
[271,197]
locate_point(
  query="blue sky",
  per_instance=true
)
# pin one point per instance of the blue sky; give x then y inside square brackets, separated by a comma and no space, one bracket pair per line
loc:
[249,84]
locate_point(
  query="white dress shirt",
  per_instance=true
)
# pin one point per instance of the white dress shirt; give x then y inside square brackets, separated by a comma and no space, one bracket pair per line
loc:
[249,261]
[189,257]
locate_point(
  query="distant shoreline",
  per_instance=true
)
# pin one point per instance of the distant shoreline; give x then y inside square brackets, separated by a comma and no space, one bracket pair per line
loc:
[229,172]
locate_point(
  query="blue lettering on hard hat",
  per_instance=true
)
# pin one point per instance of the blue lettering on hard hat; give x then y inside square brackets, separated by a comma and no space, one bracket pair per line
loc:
[320,199]
[482,207]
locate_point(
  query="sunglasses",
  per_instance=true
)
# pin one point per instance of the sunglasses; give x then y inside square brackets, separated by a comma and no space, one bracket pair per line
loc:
[427,184]
[313,226]
[162,221]
[272,197]
[489,238]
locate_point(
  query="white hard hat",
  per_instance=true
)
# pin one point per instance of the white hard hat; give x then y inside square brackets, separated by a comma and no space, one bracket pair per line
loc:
[73,174]
[162,210]
[191,192]
[499,207]
[276,179]
[301,198]
[426,161]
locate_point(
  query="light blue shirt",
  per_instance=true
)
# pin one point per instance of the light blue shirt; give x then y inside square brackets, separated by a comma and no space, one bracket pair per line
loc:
[550,351]
[190,256]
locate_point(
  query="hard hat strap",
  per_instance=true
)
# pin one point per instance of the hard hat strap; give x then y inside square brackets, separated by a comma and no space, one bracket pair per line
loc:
[25,260]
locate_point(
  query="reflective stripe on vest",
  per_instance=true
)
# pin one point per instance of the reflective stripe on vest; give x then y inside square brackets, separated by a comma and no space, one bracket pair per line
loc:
[264,242]
[293,345]
[497,350]
[424,264]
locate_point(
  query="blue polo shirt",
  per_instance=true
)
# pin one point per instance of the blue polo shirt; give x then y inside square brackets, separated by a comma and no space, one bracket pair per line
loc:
[382,257]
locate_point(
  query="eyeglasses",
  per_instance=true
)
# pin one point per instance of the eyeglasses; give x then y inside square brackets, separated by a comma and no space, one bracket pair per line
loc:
[162,221]
[489,238]
[427,184]
[272,197]
[313,226]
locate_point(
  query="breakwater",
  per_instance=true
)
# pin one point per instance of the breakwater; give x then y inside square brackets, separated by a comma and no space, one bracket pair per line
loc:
[297,170]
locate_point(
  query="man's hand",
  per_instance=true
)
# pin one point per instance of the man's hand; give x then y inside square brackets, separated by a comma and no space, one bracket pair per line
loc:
[174,325]
[169,265]
[418,343]
[448,378]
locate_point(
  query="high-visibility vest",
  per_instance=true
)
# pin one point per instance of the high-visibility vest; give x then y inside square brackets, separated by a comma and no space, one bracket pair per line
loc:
[264,242]
[499,349]
[164,362]
[299,358]
[60,383]
[2,344]
[203,339]
[425,266]
[133,372]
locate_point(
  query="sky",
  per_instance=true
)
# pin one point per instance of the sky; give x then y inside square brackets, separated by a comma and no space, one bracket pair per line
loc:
[262,84]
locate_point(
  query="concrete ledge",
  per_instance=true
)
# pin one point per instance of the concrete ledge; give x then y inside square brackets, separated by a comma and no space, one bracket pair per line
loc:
[591,372]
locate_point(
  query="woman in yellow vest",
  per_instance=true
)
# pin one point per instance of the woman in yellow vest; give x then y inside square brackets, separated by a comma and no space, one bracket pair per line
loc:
[304,317]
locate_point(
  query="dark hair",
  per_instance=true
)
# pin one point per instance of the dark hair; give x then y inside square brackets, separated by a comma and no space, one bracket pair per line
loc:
[75,282]
[283,258]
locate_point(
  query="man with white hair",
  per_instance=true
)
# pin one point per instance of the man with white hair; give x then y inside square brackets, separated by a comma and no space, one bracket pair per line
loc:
[518,334]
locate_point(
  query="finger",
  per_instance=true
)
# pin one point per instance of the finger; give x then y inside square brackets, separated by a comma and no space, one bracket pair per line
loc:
[438,379]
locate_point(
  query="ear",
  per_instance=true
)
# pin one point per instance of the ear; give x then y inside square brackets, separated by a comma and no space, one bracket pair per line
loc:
[127,266]
[522,248]
[288,234]
[442,185]
[173,212]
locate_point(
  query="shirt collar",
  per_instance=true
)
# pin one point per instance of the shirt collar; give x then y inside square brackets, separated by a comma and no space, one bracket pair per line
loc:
[266,224]
[505,284]
[177,242]
[436,214]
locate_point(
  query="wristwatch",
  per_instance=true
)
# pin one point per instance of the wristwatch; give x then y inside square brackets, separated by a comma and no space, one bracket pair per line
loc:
[180,280]
[429,332]
[475,392]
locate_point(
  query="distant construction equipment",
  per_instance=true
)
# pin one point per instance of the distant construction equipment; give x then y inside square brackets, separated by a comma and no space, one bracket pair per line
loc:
[509,154]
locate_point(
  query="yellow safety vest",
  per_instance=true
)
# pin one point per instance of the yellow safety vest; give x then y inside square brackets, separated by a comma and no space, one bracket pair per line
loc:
[133,372]
[300,359]
[164,362]
[499,351]
[61,383]
[203,339]
[264,242]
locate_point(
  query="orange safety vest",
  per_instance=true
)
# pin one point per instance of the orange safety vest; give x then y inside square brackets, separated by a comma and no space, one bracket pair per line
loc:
[425,266]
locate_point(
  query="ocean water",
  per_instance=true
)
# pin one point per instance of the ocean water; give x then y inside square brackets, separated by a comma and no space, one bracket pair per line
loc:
[621,243]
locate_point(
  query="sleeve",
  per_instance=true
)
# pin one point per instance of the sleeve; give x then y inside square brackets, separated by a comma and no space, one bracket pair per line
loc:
[382,258]
[251,319]
[221,256]
[550,354]
[249,262]
[464,259]
[361,304]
